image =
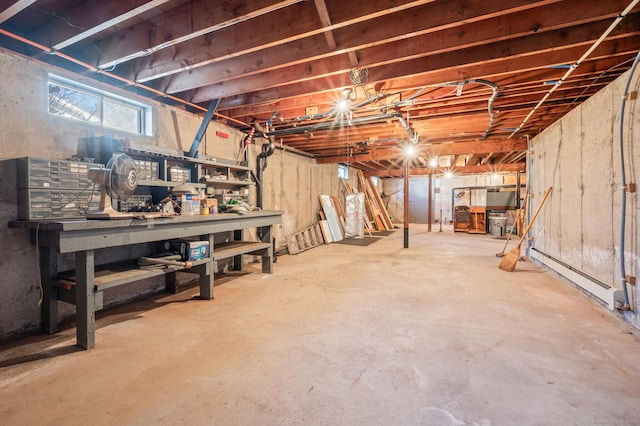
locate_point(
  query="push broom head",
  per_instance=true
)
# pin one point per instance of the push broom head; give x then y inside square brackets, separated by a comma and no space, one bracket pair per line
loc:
[508,263]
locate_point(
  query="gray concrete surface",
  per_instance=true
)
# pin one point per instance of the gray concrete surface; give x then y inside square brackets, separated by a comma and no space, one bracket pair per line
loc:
[343,335]
[579,157]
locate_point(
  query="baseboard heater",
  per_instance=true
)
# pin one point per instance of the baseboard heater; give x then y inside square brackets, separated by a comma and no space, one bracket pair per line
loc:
[599,289]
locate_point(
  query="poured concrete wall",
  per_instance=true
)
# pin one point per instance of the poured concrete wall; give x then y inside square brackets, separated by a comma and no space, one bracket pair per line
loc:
[291,182]
[579,157]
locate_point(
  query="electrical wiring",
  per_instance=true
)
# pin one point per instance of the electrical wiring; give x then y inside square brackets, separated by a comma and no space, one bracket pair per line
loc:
[595,80]
[37,236]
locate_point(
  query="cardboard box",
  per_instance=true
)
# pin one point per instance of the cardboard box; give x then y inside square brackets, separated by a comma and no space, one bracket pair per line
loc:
[189,204]
[191,250]
[210,202]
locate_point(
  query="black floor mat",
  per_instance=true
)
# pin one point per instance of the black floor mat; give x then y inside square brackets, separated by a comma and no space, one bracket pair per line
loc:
[383,233]
[359,241]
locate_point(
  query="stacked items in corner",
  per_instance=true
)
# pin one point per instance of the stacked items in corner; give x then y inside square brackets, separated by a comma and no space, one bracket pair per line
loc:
[363,211]
[377,217]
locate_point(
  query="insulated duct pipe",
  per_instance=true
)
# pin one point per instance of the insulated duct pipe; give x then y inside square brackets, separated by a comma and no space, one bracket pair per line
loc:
[623,177]
[413,136]
[493,97]
[577,63]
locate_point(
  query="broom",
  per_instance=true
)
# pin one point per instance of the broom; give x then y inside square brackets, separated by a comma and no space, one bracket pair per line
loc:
[508,263]
[520,210]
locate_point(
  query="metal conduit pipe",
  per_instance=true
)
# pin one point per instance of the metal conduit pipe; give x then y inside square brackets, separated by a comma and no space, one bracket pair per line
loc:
[413,136]
[332,112]
[493,97]
[294,151]
[576,64]
[527,178]
[623,177]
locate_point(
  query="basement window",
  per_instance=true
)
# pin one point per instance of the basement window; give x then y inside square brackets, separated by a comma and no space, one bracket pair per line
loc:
[343,171]
[77,101]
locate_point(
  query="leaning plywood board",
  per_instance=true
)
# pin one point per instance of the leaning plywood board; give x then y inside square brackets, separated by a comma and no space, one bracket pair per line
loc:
[326,232]
[383,209]
[332,217]
[372,203]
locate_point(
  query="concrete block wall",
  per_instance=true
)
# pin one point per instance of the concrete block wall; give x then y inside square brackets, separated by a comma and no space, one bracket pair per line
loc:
[292,182]
[579,157]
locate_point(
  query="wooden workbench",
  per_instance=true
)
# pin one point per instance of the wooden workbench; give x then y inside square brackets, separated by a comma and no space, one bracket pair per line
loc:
[83,237]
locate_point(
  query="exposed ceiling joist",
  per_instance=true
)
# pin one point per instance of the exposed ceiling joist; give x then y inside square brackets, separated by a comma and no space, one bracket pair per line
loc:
[404,70]
[9,10]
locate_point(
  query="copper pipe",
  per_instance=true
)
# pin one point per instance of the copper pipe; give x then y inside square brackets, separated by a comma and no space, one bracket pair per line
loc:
[114,76]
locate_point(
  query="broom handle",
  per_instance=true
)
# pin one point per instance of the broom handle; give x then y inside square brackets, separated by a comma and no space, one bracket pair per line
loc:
[518,213]
[526,230]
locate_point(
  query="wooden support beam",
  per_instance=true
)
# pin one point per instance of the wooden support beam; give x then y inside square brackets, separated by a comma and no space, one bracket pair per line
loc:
[491,168]
[290,28]
[466,63]
[433,30]
[76,25]
[323,13]
[456,148]
[186,23]
[7,12]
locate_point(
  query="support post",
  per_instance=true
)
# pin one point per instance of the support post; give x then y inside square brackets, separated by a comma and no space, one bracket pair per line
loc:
[406,202]
[203,128]
[430,204]
[518,195]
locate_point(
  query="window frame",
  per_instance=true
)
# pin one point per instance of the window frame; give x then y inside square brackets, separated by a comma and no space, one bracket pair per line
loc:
[144,111]
[343,169]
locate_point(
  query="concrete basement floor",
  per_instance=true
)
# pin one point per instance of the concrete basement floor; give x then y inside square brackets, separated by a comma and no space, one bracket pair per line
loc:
[343,335]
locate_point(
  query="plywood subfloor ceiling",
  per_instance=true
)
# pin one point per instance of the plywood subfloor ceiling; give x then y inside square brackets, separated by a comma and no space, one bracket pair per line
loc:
[467,81]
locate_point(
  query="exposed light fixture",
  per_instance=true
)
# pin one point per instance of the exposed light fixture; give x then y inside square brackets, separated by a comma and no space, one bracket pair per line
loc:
[448,174]
[343,105]
[433,162]
[409,150]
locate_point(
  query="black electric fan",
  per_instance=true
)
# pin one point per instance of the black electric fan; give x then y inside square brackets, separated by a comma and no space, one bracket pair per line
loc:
[118,180]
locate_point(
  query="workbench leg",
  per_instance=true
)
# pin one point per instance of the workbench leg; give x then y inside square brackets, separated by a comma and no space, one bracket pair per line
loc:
[85,299]
[238,235]
[49,307]
[207,272]
[171,283]
[267,256]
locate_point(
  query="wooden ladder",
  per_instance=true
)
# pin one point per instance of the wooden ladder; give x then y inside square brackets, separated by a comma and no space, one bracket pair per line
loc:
[305,240]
